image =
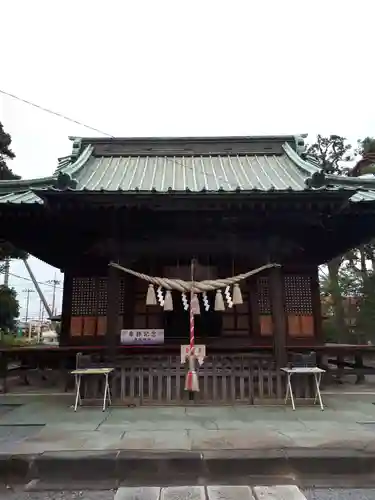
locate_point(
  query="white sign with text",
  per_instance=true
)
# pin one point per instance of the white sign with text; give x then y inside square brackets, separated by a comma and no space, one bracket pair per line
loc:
[199,350]
[142,337]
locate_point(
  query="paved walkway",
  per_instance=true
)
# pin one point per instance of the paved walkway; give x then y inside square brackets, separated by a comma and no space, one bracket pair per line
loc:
[37,424]
[282,492]
[227,492]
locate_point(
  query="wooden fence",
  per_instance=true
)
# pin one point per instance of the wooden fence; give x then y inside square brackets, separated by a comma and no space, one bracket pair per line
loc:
[222,380]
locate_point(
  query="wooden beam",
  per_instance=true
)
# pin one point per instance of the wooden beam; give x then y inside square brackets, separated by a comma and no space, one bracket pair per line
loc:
[279,319]
[113,310]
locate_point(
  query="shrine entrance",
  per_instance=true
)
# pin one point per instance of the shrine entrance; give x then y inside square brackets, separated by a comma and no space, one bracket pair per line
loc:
[208,324]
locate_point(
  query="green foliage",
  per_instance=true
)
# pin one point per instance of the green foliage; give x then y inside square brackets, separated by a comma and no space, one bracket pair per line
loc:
[347,283]
[348,276]
[10,340]
[330,332]
[6,248]
[6,154]
[365,146]
[9,308]
[328,151]
[365,318]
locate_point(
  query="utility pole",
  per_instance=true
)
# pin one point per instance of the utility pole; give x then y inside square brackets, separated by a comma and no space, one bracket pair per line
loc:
[37,288]
[27,291]
[55,283]
[6,271]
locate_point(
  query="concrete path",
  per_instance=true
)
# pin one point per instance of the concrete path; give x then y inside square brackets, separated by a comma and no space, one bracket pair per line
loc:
[277,492]
[227,492]
[42,436]
[31,424]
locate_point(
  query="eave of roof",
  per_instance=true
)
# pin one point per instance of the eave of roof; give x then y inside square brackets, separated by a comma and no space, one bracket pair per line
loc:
[365,187]
[67,167]
[264,172]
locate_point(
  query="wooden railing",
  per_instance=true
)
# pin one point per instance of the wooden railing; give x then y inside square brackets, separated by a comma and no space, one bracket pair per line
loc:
[222,380]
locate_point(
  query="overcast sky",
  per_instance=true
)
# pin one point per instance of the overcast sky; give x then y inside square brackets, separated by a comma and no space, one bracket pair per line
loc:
[170,68]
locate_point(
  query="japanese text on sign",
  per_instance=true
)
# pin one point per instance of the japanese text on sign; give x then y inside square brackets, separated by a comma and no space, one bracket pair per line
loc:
[142,337]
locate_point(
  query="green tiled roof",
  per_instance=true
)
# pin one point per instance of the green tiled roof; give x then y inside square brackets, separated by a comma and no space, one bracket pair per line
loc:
[228,172]
[228,164]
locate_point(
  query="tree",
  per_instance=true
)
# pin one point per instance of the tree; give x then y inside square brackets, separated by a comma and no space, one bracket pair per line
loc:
[366,165]
[348,290]
[9,308]
[7,250]
[6,154]
[365,317]
[365,146]
[327,152]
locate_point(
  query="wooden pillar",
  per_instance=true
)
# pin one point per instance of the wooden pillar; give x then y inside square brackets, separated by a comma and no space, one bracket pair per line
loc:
[279,319]
[113,310]
[129,301]
[66,313]
[316,307]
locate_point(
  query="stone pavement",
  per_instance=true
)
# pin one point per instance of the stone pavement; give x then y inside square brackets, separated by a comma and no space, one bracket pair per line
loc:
[47,426]
[35,424]
[194,493]
[226,492]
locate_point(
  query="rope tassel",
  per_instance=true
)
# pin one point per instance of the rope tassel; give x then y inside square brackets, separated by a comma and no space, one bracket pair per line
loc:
[195,304]
[191,382]
[168,302]
[151,296]
[219,301]
[237,295]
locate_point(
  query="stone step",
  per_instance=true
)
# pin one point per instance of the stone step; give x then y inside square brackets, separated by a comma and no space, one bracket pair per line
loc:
[277,492]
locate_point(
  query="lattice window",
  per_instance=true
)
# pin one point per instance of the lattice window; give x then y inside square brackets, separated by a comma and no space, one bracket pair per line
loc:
[90,296]
[298,297]
[264,302]
[102,296]
[122,296]
[83,297]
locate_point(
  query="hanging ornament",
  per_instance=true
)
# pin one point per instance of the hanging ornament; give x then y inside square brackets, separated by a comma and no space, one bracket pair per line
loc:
[237,295]
[191,381]
[195,305]
[219,301]
[160,296]
[205,301]
[228,297]
[151,297]
[168,302]
[185,302]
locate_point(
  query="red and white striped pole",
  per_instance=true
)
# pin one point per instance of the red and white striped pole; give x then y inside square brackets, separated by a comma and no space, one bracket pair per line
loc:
[191,383]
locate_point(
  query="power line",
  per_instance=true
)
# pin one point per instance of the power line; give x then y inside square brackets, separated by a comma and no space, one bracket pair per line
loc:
[27,291]
[55,113]
[29,279]
[64,117]
[54,283]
